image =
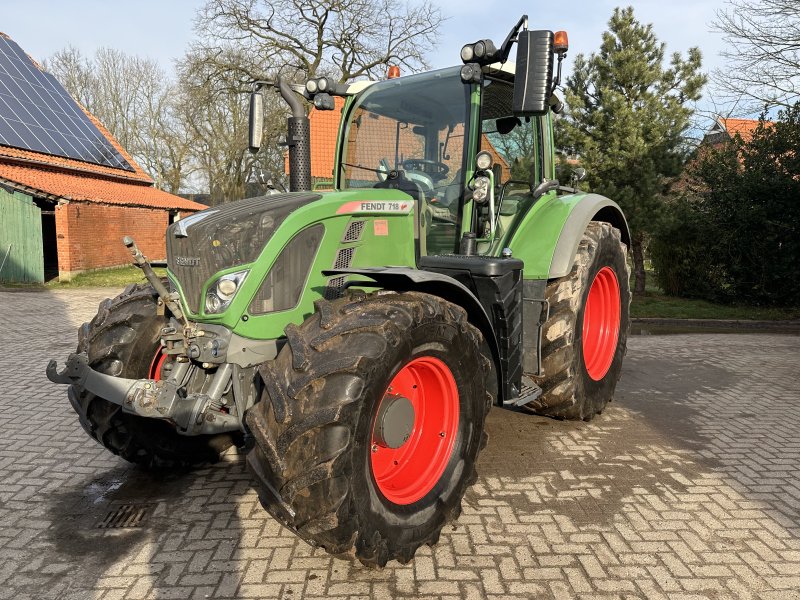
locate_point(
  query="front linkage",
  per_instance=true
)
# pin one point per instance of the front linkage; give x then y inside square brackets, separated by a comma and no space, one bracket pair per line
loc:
[167,398]
[162,399]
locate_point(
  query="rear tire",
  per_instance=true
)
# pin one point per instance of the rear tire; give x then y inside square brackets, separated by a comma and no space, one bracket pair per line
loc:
[580,375]
[122,340]
[314,426]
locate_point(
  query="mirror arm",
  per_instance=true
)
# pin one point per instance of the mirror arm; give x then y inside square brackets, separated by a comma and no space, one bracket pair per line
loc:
[505,49]
[557,80]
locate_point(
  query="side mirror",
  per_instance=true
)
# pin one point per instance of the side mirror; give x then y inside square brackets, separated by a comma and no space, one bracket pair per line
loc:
[534,73]
[578,174]
[256,123]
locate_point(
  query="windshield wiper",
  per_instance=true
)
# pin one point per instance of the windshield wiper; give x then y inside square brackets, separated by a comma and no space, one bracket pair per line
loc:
[365,168]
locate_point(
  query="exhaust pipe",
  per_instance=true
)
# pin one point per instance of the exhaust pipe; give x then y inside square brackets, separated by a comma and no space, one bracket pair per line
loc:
[298,139]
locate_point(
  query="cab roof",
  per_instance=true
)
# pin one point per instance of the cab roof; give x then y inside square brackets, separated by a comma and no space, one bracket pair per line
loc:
[503,70]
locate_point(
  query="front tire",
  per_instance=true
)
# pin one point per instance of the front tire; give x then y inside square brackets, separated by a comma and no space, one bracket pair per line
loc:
[323,467]
[123,339]
[585,337]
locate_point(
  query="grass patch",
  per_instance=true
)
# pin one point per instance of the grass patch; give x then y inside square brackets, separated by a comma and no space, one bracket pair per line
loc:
[668,307]
[117,277]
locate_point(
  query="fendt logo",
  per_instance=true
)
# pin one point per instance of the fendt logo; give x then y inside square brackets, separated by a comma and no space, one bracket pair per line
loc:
[187,261]
[359,206]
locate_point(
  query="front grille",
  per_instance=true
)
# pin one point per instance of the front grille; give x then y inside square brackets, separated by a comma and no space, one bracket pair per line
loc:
[223,237]
[335,286]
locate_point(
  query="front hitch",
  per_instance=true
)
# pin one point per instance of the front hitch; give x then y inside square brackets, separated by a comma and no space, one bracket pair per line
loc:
[78,372]
[146,397]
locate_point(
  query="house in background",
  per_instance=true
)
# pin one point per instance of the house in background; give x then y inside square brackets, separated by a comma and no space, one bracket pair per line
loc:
[726,129]
[68,191]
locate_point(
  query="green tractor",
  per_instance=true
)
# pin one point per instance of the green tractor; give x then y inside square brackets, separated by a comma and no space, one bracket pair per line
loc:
[354,340]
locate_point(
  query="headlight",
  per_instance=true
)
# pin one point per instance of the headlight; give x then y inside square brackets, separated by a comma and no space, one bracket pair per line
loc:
[483,160]
[471,73]
[480,187]
[223,290]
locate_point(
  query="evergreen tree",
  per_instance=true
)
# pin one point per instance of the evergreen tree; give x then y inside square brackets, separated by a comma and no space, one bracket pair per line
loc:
[627,113]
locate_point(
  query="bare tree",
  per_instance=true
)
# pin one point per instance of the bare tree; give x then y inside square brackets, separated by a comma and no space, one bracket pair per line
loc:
[763,59]
[215,113]
[134,98]
[239,41]
[345,39]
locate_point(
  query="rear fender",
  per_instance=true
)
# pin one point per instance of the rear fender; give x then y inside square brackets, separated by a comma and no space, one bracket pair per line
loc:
[547,238]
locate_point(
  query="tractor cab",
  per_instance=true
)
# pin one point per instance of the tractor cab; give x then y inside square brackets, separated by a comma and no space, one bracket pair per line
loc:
[412,134]
[421,134]
[471,145]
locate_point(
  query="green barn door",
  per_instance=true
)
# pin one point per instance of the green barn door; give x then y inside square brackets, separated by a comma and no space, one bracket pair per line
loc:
[21,258]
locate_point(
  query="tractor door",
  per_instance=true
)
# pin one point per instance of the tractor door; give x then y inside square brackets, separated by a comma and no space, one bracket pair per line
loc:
[520,147]
[411,134]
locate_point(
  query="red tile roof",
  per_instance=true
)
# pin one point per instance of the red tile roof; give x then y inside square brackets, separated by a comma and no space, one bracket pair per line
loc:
[77,180]
[744,127]
[80,187]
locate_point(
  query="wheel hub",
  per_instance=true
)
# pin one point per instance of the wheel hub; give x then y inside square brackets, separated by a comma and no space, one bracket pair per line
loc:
[394,422]
[601,323]
[414,430]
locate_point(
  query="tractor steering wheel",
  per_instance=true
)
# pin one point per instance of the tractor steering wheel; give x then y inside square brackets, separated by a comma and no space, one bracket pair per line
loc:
[437,170]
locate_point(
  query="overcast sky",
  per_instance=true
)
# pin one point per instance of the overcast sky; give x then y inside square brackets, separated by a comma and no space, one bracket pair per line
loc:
[162,29]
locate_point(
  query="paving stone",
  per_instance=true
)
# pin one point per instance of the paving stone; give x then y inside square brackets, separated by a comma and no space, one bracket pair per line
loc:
[685,487]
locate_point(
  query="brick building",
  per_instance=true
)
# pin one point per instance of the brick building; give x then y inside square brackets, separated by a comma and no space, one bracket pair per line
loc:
[68,190]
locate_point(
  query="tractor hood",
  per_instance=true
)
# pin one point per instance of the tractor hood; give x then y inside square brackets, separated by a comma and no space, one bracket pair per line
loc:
[218,238]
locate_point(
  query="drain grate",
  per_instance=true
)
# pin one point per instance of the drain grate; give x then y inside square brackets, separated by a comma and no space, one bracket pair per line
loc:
[126,515]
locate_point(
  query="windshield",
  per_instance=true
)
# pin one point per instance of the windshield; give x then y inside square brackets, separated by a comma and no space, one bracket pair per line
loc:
[409,134]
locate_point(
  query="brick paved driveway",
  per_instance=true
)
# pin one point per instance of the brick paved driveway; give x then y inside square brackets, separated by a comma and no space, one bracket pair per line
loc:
[687,487]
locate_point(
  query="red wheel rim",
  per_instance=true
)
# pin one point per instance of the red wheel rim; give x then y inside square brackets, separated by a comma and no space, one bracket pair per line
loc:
[601,323]
[157,365]
[406,474]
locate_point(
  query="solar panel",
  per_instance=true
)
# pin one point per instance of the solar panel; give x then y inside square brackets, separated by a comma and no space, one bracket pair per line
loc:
[37,113]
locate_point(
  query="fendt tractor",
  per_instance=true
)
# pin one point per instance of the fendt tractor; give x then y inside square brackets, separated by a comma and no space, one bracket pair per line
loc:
[354,340]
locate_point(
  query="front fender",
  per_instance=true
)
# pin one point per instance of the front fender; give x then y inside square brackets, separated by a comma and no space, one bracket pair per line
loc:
[405,279]
[547,238]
